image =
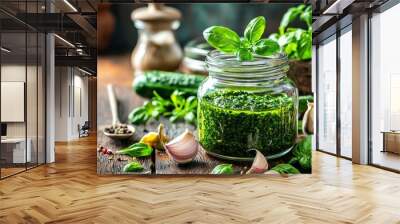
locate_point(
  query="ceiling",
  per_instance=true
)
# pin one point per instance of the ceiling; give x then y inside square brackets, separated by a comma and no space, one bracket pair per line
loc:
[74,22]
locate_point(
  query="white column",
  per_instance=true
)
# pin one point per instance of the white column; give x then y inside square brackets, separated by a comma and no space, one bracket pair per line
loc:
[50,92]
[360,90]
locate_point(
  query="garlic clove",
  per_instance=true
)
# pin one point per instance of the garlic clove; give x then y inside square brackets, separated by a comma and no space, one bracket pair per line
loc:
[183,148]
[260,164]
[162,137]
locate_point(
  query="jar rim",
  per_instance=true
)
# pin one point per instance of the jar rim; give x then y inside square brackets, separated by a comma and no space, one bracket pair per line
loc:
[261,67]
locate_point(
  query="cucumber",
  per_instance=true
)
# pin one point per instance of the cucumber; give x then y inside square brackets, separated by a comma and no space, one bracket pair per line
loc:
[164,83]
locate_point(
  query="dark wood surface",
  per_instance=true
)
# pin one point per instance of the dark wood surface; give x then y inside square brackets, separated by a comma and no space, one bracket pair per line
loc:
[116,71]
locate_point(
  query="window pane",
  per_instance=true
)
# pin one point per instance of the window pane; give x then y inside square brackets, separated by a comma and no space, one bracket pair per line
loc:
[385,84]
[15,150]
[327,96]
[346,94]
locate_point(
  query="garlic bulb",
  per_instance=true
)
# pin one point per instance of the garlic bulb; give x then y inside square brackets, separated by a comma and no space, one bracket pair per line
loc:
[260,164]
[308,120]
[183,148]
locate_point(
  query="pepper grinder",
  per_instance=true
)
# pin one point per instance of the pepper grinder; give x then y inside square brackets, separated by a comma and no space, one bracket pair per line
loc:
[157,48]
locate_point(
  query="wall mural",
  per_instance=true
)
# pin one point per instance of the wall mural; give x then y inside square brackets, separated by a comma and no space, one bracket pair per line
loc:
[235,100]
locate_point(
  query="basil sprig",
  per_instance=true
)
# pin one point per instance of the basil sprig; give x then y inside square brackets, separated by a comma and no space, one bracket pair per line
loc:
[134,166]
[223,169]
[302,154]
[136,150]
[285,168]
[228,41]
[176,108]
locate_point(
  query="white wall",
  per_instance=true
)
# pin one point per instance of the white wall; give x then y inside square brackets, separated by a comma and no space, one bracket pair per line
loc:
[71,94]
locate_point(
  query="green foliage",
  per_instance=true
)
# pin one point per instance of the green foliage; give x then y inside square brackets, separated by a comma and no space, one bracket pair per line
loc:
[134,166]
[227,41]
[285,168]
[302,154]
[222,38]
[303,103]
[255,29]
[183,108]
[223,169]
[295,42]
[176,108]
[136,150]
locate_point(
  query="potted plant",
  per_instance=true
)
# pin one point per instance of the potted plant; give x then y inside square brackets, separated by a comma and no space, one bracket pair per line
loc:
[297,44]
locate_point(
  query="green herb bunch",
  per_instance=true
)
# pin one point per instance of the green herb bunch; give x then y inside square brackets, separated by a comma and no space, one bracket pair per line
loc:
[302,155]
[295,42]
[176,108]
[228,41]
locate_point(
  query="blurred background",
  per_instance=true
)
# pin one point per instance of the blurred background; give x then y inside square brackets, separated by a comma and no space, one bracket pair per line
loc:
[118,35]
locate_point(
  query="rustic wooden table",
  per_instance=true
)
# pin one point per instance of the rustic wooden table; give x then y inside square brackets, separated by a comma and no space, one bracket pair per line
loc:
[117,71]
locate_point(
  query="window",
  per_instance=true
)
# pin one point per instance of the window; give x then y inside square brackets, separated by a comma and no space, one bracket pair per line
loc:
[385,89]
[327,96]
[346,92]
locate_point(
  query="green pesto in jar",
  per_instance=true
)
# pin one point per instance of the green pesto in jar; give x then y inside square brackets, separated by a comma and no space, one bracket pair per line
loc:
[230,122]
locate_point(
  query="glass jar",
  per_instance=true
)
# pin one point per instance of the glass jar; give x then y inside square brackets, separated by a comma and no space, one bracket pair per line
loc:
[247,105]
[195,53]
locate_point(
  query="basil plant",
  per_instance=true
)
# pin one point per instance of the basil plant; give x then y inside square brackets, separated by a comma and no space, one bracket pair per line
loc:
[228,41]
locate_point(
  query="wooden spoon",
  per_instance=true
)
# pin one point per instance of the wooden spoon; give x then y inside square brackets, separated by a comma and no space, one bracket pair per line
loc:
[115,120]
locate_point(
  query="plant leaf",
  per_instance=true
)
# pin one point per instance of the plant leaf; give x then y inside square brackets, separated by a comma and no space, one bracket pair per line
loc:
[136,150]
[138,115]
[223,169]
[244,55]
[289,17]
[285,168]
[306,15]
[302,154]
[255,29]
[134,166]
[222,38]
[266,47]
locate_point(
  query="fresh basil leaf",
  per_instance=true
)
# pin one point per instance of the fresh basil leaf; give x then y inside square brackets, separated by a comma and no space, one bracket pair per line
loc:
[134,166]
[223,169]
[138,115]
[289,17]
[306,15]
[291,49]
[302,154]
[244,55]
[266,47]
[244,43]
[222,38]
[305,46]
[191,103]
[255,29]
[285,168]
[177,98]
[136,150]
[274,37]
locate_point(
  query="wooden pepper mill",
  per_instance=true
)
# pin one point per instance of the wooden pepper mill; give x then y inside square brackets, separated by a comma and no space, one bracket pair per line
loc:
[157,48]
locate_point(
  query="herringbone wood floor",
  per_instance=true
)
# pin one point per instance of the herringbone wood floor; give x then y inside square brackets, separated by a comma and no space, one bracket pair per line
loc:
[69,191]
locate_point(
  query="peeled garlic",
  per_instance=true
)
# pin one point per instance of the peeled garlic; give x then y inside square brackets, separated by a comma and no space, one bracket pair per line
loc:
[260,164]
[183,148]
